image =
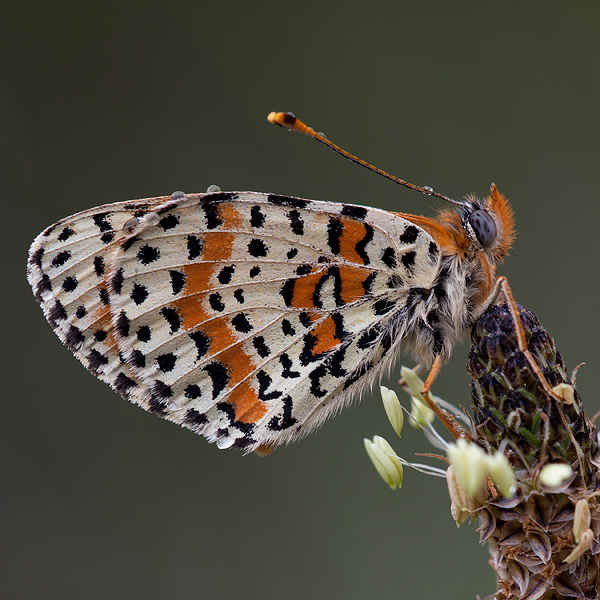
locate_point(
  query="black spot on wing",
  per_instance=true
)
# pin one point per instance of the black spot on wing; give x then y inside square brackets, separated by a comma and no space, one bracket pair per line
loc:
[306,355]
[408,259]
[194,246]
[260,346]
[65,234]
[56,313]
[128,242]
[287,328]
[96,360]
[287,201]
[410,235]
[160,393]
[338,321]
[36,258]
[335,229]
[367,339]
[305,319]
[292,253]
[169,222]
[104,298]
[216,302]
[99,266]
[296,222]
[122,325]
[368,283]
[192,392]
[139,293]
[315,376]
[69,284]
[148,254]
[177,281]
[42,286]
[202,342]
[61,258]
[240,323]
[74,338]
[116,281]
[211,213]
[166,362]
[287,364]
[287,291]
[335,360]
[257,248]
[382,307]
[173,319]
[303,270]
[192,416]
[225,274]
[355,212]
[123,384]
[221,197]
[219,376]
[285,419]
[389,258]
[101,222]
[228,410]
[137,359]
[264,382]
[144,334]
[257,217]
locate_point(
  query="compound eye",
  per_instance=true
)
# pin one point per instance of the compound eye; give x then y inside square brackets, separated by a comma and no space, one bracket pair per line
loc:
[484,227]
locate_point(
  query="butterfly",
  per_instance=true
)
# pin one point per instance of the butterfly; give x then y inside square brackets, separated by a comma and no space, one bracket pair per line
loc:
[250,318]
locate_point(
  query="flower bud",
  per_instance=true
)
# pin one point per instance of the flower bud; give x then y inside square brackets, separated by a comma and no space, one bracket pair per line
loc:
[385,461]
[499,469]
[393,409]
[469,462]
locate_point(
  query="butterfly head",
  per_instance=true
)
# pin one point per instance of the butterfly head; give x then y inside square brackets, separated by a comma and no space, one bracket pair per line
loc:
[488,224]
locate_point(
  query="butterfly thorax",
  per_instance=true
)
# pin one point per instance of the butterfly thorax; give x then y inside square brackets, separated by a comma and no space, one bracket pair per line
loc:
[466,275]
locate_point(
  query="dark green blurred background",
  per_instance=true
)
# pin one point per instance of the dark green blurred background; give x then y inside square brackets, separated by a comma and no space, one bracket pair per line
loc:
[101,102]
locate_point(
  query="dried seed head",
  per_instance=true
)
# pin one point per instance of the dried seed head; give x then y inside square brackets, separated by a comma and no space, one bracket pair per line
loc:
[544,542]
[509,402]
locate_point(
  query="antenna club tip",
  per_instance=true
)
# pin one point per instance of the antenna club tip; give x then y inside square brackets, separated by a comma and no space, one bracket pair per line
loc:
[287,120]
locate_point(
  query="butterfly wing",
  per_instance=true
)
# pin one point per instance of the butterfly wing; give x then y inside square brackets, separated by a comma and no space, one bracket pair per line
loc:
[246,317]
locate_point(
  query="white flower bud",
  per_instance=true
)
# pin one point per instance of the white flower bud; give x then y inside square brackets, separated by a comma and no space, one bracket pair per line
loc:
[469,462]
[587,537]
[581,519]
[393,409]
[555,474]
[386,462]
[499,469]
[565,391]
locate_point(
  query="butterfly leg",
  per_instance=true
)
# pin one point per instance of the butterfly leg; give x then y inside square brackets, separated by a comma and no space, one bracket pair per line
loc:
[502,285]
[449,422]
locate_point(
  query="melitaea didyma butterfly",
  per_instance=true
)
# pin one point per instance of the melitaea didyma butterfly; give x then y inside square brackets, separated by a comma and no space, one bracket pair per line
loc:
[250,318]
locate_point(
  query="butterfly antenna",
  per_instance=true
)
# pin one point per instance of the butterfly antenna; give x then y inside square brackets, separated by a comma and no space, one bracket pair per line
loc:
[289,121]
